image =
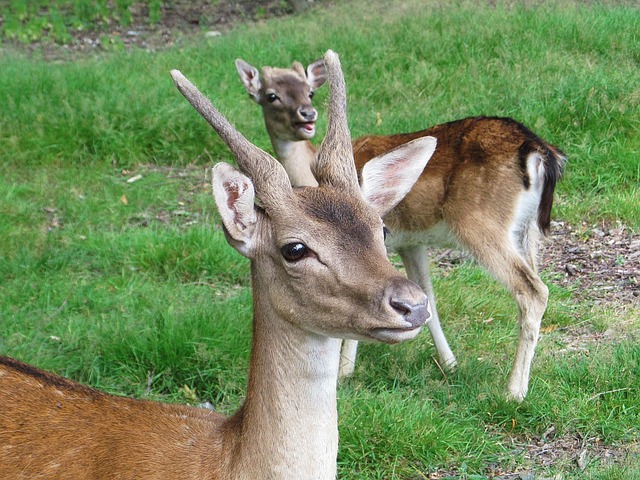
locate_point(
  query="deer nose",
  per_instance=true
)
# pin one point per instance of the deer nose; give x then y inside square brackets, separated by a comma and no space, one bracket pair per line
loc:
[416,314]
[308,114]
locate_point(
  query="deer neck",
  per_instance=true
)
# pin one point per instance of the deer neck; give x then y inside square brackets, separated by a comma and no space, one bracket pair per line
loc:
[289,421]
[296,156]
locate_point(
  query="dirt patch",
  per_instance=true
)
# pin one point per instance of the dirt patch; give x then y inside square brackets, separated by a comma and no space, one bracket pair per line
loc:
[600,263]
[571,450]
[545,452]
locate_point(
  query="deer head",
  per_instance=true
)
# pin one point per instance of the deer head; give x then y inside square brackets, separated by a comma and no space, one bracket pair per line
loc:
[285,96]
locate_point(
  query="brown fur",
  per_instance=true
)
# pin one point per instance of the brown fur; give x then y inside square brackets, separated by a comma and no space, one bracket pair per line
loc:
[472,153]
[47,410]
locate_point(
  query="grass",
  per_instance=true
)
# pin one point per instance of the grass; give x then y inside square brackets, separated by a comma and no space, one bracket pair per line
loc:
[131,287]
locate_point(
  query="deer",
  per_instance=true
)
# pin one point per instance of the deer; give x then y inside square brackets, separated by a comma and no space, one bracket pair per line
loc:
[488,189]
[319,273]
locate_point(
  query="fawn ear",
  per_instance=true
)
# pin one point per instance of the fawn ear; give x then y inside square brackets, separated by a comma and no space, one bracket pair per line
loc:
[387,178]
[234,196]
[250,78]
[317,74]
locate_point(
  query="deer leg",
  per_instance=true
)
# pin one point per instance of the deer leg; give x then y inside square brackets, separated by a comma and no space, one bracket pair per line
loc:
[416,263]
[511,268]
[347,358]
[530,244]
[531,304]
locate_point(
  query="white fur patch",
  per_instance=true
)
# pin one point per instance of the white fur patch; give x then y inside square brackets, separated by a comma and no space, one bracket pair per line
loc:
[526,210]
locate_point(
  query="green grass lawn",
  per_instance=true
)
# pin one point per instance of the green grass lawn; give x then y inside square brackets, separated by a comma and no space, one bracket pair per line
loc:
[130,286]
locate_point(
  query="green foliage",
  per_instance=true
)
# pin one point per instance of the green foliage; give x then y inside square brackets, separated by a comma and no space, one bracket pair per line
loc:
[131,287]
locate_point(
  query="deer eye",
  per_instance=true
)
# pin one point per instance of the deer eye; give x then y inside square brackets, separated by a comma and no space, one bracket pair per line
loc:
[271,97]
[311,95]
[292,252]
[385,232]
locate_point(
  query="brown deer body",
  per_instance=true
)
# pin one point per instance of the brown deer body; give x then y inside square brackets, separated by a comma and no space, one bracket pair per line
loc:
[299,241]
[487,189]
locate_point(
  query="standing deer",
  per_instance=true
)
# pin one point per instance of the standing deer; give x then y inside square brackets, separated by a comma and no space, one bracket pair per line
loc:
[319,271]
[488,189]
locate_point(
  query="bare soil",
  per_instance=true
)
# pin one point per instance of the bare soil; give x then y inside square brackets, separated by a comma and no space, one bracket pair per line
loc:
[597,262]
[572,452]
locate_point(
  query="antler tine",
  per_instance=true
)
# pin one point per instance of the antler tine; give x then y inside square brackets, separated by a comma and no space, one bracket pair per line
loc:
[334,162]
[268,176]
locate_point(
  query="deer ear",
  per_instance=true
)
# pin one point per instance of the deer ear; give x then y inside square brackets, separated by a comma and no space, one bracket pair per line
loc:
[250,78]
[234,196]
[387,178]
[317,74]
